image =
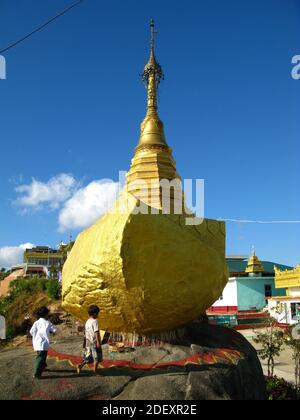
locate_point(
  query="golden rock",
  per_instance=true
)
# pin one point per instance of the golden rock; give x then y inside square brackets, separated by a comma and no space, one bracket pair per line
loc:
[147,272]
[146,269]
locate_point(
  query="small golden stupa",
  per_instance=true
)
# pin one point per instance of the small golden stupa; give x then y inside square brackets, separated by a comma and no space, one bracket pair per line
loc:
[141,263]
[254,264]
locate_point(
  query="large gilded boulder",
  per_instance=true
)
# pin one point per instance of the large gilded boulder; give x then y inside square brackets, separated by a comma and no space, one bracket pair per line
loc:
[147,272]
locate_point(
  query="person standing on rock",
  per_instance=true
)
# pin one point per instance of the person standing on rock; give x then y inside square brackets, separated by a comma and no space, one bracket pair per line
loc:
[40,332]
[92,341]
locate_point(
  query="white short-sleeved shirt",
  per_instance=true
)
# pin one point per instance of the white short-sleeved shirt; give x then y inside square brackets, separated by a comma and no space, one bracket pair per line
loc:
[91,327]
[40,334]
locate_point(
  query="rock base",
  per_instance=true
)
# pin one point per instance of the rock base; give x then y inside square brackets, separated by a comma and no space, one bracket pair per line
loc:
[203,362]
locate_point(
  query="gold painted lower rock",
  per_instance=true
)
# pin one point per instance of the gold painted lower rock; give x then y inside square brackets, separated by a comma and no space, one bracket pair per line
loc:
[147,272]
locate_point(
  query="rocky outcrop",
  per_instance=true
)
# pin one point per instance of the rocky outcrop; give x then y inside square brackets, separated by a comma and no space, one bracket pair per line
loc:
[228,369]
[202,362]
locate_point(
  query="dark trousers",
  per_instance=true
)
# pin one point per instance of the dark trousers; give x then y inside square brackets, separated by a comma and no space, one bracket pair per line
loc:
[40,362]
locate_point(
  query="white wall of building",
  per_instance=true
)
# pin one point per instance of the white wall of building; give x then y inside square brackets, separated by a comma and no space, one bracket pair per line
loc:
[281,311]
[229,296]
[294,292]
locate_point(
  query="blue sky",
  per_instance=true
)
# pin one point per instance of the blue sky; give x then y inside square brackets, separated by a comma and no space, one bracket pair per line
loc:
[73,101]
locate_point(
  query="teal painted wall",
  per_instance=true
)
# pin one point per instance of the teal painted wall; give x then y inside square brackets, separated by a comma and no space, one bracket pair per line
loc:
[251,292]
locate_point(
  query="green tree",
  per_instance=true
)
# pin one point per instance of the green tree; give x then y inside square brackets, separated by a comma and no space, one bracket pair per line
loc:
[53,289]
[65,250]
[3,273]
[271,341]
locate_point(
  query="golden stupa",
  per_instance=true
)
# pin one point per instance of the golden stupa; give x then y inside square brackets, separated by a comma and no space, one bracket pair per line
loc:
[140,262]
[254,264]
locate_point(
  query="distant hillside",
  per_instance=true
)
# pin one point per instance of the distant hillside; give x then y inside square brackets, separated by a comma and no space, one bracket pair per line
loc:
[23,298]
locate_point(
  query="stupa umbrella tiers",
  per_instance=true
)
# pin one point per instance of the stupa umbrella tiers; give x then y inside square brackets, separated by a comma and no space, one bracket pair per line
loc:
[148,271]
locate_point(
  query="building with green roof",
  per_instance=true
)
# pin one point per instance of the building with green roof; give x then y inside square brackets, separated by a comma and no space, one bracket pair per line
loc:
[251,283]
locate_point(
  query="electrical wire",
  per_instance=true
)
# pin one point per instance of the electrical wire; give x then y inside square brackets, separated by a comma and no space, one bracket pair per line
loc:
[39,28]
[263,222]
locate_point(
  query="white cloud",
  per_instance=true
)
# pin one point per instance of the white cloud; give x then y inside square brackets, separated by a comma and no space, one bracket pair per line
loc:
[78,206]
[12,255]
[52,193]
[87,205]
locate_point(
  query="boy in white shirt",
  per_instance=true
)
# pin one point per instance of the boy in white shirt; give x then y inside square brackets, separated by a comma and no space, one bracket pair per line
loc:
[40,339]
[92,341]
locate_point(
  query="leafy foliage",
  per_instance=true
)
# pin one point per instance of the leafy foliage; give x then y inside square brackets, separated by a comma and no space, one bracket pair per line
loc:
[272,341]
[279,389]
[19,312]
[24,297]
[53,289]
[3,273]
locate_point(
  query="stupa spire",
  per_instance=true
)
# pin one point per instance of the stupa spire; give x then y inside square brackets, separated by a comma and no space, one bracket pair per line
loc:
[152,38]
[152,131]
[152,75]
[153,160]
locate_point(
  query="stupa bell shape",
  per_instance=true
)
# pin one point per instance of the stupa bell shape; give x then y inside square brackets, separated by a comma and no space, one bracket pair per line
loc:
[141,263]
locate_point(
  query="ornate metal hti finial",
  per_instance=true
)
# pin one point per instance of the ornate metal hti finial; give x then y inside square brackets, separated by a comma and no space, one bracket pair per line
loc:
[152,67]
[152,37]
